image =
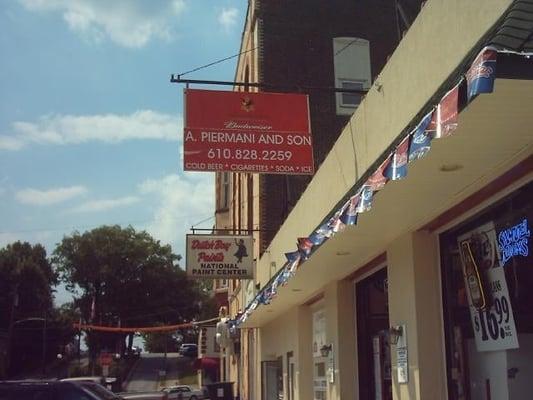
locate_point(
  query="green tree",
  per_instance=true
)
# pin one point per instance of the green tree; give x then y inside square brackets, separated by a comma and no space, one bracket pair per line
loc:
[26,281]
[131,278]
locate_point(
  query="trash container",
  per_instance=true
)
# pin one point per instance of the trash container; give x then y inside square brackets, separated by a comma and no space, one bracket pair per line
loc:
[220,390]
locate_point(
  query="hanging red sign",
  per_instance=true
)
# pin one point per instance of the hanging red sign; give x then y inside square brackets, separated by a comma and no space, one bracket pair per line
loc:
[267,133]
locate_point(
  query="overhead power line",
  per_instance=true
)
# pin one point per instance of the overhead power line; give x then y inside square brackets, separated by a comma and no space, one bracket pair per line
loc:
[217,62]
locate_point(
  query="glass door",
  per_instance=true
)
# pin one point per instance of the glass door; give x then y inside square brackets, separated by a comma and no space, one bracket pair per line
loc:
[372,337]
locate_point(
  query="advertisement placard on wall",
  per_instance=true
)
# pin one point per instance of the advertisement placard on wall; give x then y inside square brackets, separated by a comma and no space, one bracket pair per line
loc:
[492,318]
[319,332]
[220,256]
[247,132]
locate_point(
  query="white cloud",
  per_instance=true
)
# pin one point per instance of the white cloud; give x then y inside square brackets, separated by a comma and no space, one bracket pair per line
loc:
[107,128]
[10,143]
[128,23]
[181,202]
[104,205]
[228,18]
[51,196]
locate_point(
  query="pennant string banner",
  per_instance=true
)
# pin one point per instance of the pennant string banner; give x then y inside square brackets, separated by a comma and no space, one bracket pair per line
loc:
[440,122]
[164,328]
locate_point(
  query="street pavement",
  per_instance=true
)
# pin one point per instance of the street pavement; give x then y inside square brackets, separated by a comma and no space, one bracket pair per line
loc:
[145,374]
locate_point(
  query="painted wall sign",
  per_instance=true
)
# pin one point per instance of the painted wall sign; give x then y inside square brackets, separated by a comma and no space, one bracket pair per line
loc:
[247,132]
[494,326]
[514,241]
[220,256]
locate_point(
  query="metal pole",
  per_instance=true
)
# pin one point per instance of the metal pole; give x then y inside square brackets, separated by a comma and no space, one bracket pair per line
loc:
[79,350]
[14,304]
[44,346]
[175,78]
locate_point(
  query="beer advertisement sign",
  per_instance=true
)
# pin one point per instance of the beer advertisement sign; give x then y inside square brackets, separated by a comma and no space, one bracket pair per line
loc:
[486,289]
[220,256]
[267,133]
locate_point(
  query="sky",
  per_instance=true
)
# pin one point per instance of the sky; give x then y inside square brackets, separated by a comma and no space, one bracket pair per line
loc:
[90,125]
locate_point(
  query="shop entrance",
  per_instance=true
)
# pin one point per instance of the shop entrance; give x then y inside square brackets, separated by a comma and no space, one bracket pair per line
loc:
[372,337]
[487,277]
[272,379]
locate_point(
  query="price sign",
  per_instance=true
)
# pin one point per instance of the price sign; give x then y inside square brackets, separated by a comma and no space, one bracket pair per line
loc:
[493,324]
[494,327]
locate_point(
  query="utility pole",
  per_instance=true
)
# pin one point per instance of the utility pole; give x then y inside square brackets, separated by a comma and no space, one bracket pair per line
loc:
[14,305]
[44,345]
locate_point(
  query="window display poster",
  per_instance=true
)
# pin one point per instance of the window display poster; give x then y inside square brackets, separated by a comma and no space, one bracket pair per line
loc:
[319,332]
[493,324]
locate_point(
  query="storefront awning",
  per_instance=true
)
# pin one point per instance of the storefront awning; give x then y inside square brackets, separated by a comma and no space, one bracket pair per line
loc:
[491,139]
[206,363]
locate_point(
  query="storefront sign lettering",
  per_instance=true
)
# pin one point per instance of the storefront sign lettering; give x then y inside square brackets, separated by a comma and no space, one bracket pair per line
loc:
[252,132]
[514,241]
[219,256]
[494,327]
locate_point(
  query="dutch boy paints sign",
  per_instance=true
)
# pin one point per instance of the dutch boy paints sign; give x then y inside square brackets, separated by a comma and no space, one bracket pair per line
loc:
[218,256]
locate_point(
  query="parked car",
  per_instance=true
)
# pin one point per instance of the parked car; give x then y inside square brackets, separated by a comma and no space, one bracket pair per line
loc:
[97,379]
[189,350]
[183,392]
[109,382]
[99,390]
[144,396]
[49,390]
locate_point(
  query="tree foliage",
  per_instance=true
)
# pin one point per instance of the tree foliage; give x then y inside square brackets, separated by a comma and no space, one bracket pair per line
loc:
[132,279]
[26,285]
[26,280]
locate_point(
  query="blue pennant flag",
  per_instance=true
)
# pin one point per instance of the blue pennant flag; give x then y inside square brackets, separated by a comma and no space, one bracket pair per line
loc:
[266,296]
[253,304]
[293,256]
[349,215]
[397,168]
[480,76]
[365,200]
[274,286]
[286,274]
[420,140]
[293,265]
[320,235]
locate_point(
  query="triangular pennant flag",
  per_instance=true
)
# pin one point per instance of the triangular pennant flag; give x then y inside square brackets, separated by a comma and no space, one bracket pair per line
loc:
[420,139]
[480,77]
[397,168]
[365,200]
[377,180]
[444,120]
[320,235]
[305,246]
[293,256]
[349,215]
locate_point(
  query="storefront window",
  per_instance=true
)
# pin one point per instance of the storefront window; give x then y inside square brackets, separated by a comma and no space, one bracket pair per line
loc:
[487,274]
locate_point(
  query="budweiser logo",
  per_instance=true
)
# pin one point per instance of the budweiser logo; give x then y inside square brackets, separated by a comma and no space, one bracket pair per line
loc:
[244,125]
